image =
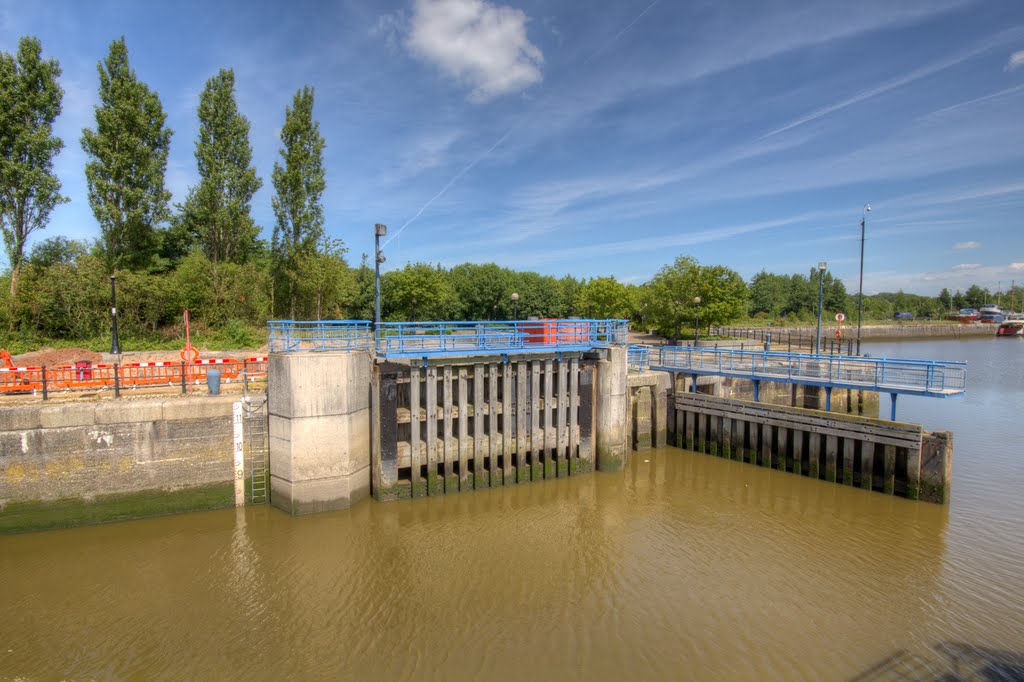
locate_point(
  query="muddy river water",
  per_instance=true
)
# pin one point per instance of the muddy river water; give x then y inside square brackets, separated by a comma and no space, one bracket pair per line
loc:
[685,566]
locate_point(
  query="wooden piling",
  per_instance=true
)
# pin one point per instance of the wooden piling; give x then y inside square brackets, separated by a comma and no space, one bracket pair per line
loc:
[414,426]
[494,442]
[522,407]
[451,481]
[435,486]
[465,477]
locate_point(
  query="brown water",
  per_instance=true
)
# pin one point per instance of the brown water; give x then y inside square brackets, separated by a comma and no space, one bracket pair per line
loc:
[684,566]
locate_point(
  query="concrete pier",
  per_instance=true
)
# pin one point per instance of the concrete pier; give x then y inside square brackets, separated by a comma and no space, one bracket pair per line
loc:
[319,411]
[612,406]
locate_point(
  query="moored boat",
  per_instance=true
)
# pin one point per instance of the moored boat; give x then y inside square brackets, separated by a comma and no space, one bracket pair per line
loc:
[1012,326]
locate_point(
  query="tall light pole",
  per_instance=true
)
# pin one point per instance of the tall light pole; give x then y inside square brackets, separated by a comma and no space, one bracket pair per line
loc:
[115,348]
[515,307]
[860,286]
[821,290]
[379,231]
[696,320]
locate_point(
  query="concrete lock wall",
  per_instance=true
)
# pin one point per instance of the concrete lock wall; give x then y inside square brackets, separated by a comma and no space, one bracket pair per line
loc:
[612,407]
[319,425]
[153,451]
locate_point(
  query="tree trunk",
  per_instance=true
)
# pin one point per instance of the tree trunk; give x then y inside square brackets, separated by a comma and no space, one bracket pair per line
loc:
[15,276]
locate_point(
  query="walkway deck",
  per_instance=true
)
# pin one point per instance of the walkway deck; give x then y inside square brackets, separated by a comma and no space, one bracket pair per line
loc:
[932,378]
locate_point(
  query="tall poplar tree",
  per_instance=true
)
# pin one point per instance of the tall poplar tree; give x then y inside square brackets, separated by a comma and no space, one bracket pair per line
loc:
[30,101]
[128,152]
[216,212]
[298,186]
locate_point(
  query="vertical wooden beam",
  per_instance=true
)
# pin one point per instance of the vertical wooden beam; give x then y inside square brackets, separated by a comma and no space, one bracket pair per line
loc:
[831,455]
[680,441]
[848,450]
[451,481]
[797,436]
[480,477]
[702,431]
[755,441]
[867,464]
[494,444]
[767,449]
[522,407]
[541,463]
[573,407]
[435,486]
[691,436]
[914,473]
[508,474]
[714,434]
[465,479]
[550,439]
[414,428]
[587,408]
[561,408]
[889,470]
[782,456]
[814,455]
[727,449]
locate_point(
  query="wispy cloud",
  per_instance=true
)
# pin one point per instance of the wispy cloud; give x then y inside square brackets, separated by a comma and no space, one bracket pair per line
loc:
[477,43]
[961,246]
[900,81]
[967,266]
[1016,59]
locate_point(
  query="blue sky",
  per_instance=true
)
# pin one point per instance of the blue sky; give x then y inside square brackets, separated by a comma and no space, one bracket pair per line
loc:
[604,137]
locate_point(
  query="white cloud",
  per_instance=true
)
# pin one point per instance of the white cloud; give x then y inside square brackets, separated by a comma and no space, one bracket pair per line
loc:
[967,266]
[1016,59]
[1017,266]
[960,246]
[481,45]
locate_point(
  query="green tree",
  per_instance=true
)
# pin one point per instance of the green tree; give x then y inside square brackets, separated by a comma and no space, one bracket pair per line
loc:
[216,212]
[30,101]
[606,298]
[418,292]
[976,296]
[56,250]
[668,297]
[539,296]
[945,300]
[484,291]
[769,294]
[326,280]
[299,186]
[128,152]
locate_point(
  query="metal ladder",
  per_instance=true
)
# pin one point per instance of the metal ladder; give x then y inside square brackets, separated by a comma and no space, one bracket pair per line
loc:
[254,410]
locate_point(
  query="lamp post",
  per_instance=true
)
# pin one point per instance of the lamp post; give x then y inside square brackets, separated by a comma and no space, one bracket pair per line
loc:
[115,348]
[821,279]
[696,320]
[860,285]
[515,307]
[379,231]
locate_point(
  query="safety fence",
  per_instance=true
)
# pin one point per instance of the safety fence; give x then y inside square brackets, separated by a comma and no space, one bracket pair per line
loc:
[890,375]
[419,339]
[790,341]
[45,381]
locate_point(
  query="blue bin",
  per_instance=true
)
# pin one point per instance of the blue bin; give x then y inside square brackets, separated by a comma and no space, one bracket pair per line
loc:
[213,380]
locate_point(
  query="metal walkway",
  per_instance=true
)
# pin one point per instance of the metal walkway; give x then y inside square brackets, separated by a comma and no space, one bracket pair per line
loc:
[931,378]
[433,339]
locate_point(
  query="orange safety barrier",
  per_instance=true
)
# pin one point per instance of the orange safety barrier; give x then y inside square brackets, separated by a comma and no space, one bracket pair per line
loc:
[81,376]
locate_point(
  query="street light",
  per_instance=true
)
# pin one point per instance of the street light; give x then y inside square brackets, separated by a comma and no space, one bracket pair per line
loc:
[115,348]
[821,279]
[515,307]
[860,286]
[696,320]
[379,231]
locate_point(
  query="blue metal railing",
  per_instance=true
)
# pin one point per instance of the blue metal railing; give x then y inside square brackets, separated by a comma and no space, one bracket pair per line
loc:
[289,336]
[418,339]
[639,358]
[920,377]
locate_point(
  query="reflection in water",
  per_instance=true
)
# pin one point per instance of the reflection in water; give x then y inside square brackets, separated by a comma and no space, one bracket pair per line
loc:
[684,565]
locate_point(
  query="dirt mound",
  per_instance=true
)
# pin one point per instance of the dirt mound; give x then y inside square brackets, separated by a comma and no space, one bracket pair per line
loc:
[51,357]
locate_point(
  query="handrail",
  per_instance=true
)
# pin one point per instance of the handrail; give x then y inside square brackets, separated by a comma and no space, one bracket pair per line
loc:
[881,374]
[289,336]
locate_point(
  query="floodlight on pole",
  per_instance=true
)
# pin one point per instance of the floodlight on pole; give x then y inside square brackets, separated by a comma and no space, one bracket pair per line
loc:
[860,285]
[515,307]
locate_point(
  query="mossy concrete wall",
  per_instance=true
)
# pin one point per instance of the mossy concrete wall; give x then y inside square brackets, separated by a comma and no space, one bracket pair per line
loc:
[75,456]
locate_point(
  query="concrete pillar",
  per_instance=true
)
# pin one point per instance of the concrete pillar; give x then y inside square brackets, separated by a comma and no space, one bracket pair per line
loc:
[642,419]
[319,406]
[612,402]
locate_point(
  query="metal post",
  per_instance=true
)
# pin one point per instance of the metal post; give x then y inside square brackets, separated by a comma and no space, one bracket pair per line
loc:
[860,285]
[379,230]
[893,396]
[115,348]
[828,398]
[821,282]
[696,321]
[183,377]
[45,395]
[515,307]
[245,377]
[757,391]
[117,382]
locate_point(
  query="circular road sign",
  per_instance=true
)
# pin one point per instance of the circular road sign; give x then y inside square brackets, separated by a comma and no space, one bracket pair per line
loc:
[840,317]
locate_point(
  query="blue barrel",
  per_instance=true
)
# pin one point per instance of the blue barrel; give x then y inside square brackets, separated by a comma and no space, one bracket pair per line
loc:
[213,380]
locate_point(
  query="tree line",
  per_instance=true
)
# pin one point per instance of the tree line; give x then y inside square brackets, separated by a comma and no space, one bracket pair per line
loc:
[205,253]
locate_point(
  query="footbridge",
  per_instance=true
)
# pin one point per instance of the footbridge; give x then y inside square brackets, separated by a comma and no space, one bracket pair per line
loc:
[929,378]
